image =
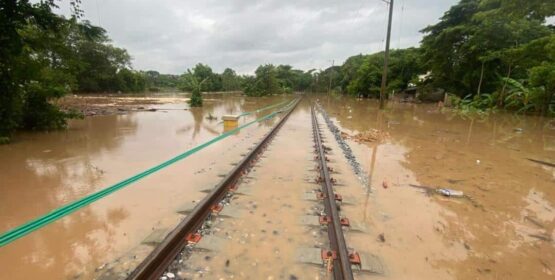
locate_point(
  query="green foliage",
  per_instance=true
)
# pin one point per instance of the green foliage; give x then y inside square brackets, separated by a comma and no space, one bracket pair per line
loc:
[99,66]
[201,72]
[349,70]
[404,66]
[156,81]
[33,67]
[290,79]
[483,101]
[196,98]
[264,83]
[520,97]
[43,56]
[360,75]
[230,80]
[542,77]
[323,81]
[367,79]
[191,82]
[268,79]
[485,45]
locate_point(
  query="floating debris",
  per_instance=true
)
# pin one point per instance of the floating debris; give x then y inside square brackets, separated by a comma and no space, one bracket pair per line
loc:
[442,191]
[372,135]
[450,192]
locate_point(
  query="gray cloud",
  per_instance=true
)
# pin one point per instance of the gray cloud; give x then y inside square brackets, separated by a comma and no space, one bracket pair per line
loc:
[171,35]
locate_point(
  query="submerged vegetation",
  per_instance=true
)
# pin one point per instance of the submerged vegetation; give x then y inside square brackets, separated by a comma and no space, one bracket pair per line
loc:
[44,56]
[486,53]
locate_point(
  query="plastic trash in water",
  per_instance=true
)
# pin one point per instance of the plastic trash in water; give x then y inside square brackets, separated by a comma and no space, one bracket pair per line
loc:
[450,192]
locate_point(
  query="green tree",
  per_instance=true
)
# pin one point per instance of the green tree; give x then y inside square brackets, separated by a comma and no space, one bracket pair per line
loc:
[156,81]
[470,48]
[404,67]
[196,97]
[349,70]
[367,79]
[264,83]
[32,67]
[230,80]
[194,84]
[43,56]
[130,81]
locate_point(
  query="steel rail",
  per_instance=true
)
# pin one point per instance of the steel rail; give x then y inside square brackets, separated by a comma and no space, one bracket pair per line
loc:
[341,264]
[156,263]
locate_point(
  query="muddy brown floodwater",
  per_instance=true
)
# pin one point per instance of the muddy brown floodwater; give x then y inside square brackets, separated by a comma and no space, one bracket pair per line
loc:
[503,230]
[504,227]
[42,171]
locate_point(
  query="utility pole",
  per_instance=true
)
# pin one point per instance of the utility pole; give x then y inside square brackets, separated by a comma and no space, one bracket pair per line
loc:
[331,69]
[384,76]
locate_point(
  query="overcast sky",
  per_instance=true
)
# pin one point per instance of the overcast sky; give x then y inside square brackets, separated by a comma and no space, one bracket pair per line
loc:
[172,35]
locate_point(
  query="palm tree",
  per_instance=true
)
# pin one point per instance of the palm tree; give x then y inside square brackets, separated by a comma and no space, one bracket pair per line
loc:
[196,96]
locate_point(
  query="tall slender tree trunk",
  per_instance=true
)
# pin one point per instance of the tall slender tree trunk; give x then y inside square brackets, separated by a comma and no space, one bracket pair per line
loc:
[481,79]
[501,100]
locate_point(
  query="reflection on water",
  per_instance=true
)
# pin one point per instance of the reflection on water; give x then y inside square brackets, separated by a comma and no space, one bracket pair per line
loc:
[51,169]
[42,171]
[261,242]
[199,114]
[509,232]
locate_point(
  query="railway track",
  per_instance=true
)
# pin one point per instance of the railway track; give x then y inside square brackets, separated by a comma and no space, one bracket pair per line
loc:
[187,231]
[337,257]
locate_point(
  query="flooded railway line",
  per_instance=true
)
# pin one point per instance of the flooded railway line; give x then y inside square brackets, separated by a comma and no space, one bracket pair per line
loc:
[338,258]
[329,256]
[189,230]
[275,211]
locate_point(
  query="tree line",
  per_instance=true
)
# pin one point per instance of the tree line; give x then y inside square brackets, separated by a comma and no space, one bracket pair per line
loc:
[268,79]
[360,75]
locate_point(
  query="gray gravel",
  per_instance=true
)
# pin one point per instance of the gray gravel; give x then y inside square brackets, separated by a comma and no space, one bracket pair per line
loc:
[347,152]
